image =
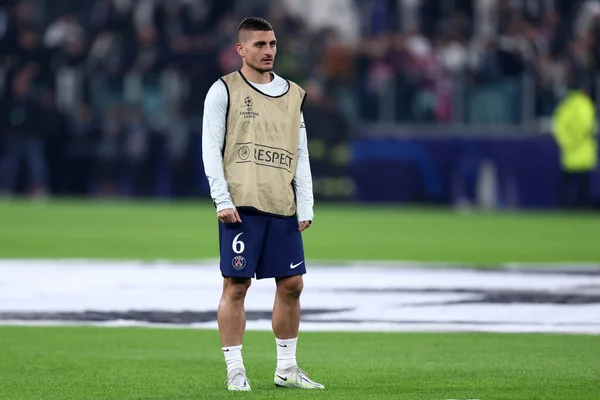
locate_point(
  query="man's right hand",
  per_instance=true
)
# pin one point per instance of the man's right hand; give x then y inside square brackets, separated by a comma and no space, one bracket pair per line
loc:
[229,216]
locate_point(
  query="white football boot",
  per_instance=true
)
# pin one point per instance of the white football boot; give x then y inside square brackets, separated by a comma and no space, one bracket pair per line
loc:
[295,377]
[236,380]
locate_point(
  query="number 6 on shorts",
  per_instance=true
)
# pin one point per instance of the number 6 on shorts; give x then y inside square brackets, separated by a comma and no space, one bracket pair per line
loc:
[237,245]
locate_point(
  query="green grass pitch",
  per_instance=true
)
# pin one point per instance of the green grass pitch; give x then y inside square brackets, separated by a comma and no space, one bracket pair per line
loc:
[189,231]
[125,363]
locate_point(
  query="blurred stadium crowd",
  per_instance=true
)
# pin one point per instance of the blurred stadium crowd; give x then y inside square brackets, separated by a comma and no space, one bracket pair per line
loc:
[105,97]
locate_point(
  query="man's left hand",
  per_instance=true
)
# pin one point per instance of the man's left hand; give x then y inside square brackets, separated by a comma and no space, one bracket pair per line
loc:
[304,225]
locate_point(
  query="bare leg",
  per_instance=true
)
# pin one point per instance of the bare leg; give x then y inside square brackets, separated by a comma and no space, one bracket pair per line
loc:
[286,323]
[231,316]
[286,310]
[232,324]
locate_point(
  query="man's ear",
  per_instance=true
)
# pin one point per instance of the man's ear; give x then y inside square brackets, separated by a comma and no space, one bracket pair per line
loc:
[240,49]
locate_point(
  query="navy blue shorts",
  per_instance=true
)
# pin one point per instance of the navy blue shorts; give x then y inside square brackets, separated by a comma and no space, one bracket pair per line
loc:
[261,246]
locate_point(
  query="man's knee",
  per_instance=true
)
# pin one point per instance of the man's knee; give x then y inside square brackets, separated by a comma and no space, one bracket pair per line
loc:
[291,286]
[235,289]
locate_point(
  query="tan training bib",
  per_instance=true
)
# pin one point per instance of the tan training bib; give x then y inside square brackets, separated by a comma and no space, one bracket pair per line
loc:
[261,146]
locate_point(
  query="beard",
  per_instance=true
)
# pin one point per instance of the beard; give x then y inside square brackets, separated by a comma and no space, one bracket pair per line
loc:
[262,69]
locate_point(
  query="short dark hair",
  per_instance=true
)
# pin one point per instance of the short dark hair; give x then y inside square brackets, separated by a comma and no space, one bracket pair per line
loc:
[254,24]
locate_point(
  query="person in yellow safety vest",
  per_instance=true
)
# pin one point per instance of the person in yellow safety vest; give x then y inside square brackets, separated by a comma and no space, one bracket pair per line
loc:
[574,129]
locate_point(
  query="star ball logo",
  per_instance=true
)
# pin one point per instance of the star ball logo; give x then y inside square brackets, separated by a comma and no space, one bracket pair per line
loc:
[238,262]
[249,113]
[248,102]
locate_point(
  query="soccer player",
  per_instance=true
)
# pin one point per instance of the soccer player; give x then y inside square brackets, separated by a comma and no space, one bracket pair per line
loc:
[255,156]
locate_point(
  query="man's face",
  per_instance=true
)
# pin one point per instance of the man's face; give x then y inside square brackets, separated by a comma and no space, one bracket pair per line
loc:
[258,49]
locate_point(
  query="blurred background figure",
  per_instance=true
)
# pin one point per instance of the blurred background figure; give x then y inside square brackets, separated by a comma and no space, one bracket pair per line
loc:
[575,132]
[423,101]
[23,138]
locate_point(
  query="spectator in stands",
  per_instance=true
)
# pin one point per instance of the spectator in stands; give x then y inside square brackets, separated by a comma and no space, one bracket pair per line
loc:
[23,139]
[64,29]
[407,66]
[177,146]
[79,152]
[110,154]
[137,138]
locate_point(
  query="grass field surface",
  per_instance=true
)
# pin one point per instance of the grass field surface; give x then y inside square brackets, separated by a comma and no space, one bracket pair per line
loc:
[46,363]
[189,231]
[123,364]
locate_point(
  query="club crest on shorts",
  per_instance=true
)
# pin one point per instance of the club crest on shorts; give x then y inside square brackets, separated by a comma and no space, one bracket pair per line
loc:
[238,262]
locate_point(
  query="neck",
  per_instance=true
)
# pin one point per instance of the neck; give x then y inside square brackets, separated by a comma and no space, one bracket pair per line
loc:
[256,77]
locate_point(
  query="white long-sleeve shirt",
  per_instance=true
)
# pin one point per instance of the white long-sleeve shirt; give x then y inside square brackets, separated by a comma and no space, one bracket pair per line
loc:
[213,137]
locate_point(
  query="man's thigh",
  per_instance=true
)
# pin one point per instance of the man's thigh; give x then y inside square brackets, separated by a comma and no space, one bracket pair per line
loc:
[283,253]
[241,245]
